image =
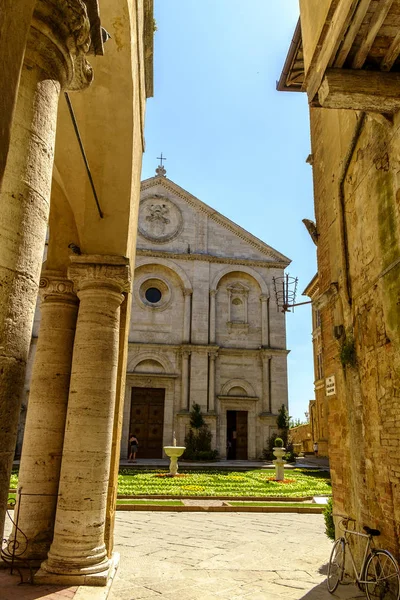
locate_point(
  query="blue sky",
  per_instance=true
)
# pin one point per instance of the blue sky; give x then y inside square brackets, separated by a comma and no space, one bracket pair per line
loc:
[235,142]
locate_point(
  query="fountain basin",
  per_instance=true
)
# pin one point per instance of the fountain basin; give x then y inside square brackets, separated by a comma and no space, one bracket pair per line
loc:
[174,451]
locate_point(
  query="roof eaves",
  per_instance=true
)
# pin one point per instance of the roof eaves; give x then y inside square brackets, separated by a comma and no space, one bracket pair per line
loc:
[294,48]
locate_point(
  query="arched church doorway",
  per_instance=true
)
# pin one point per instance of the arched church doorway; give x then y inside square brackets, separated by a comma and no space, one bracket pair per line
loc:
[147,420]
[236,434]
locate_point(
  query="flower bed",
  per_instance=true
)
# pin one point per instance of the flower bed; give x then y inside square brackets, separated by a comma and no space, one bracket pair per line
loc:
[253,483]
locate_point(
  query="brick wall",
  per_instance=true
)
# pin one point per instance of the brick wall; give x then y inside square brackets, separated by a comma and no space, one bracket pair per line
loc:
[356,162]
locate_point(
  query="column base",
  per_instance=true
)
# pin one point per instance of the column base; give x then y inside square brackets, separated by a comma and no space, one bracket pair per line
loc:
[91,579]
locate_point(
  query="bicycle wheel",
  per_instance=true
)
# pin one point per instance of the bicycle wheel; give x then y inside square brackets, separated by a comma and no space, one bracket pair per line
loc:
[336,565]
[382,577]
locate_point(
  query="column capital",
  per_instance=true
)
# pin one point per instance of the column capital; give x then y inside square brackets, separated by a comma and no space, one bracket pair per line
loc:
[100,271]
[266,355]
[185,353]
[187,292]
[213,354]
[213,293]
[54,285]
[264,297]
[59,41]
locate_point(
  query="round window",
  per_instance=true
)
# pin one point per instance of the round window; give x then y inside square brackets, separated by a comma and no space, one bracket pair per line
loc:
[153,295]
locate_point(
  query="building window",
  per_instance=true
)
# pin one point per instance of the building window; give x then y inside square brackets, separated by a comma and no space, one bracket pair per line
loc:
[237,304]
[153,295]
[320,371]
[237,311]
[316,318]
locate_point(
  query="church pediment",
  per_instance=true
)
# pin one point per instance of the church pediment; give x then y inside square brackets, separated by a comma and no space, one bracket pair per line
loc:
[173,220]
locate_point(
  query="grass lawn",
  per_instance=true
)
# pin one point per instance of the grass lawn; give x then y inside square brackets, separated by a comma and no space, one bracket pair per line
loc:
[152,502]
[254,483]
[282,504]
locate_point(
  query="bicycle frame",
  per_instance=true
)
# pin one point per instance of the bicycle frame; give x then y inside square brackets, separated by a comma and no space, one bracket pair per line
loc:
[368,549]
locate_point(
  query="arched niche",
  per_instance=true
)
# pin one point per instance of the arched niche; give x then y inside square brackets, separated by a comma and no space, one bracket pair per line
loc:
[228,389]
[240,269]
[141,364]
[167,264]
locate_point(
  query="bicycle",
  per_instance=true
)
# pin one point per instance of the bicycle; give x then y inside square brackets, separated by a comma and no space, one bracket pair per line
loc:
[379,575]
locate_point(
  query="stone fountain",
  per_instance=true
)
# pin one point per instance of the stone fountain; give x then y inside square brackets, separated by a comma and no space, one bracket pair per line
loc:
[174,452]
[279,463]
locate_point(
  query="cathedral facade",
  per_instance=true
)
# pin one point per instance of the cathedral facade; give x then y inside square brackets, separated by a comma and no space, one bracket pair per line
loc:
[205,328]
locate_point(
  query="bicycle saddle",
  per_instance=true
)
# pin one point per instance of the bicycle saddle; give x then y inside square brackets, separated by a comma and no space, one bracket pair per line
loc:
[372,532]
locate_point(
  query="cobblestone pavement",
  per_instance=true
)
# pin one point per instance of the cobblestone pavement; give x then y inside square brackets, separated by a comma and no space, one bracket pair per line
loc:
[224,556]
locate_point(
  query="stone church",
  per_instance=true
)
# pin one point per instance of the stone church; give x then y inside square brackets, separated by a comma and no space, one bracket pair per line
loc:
[204,329]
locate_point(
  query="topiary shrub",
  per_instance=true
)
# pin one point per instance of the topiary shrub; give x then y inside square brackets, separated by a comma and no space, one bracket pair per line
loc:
[268,451]
[328,518]
[278,442]
[199,437]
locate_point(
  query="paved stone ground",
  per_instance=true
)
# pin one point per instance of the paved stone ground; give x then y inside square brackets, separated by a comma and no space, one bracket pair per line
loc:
[222,556]
[208,556]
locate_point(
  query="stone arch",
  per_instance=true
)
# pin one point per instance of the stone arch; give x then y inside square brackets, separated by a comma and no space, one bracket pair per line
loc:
[135,361]
[168,264]
[242,383]
[240,269]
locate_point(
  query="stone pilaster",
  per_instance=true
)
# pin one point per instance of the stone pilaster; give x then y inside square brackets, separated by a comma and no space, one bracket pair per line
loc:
[187,294]
[185,380]
[44,430]
[54,60]
[213,294]
[264,320]
[211,380]
[78,553]
[266,384]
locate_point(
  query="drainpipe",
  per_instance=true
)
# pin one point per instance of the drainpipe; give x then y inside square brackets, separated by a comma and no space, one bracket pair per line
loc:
[342,219]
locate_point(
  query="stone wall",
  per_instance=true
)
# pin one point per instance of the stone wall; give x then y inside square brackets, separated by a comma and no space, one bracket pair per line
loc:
[355,167]
[301,438]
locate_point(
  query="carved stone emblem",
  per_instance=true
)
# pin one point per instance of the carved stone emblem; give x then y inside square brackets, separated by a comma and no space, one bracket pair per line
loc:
[160,220]
[158,212]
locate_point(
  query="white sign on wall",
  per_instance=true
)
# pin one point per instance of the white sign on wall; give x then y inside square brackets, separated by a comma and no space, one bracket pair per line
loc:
[330,386]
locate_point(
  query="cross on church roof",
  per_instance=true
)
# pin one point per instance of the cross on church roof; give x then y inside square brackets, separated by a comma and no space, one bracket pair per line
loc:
[161,171]
[161,158]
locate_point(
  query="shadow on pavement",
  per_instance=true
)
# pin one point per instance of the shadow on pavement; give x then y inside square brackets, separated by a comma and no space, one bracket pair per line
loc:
[343,592]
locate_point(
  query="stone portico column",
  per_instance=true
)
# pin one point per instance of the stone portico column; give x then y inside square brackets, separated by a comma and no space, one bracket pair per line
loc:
[54,60]
[187,294]
[185,380]
[44,430]
[264,321]
[78,553]
[213,294]
[266,370]
[211,381]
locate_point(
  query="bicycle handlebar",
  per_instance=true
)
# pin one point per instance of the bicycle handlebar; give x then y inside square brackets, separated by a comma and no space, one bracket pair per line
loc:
[344,520]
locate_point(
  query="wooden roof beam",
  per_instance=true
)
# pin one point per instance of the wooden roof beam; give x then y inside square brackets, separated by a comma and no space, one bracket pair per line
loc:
[327,47]
[354,28]
[378,18]
[391,55]
[368,91]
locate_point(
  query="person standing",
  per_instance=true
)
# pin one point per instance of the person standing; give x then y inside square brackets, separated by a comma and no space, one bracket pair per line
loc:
[316,448]
[134,445]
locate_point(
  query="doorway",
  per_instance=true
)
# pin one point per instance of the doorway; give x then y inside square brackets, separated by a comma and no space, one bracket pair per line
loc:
[147,420]
[236,434]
